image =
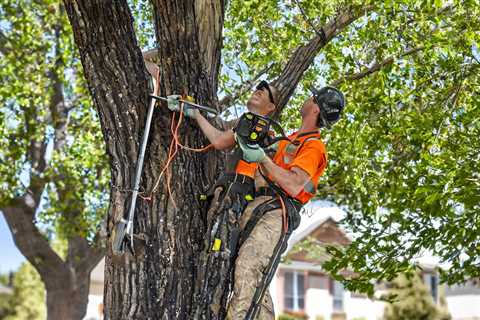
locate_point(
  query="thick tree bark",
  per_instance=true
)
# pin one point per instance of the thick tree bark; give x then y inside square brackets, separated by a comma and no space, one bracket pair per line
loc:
[158,280]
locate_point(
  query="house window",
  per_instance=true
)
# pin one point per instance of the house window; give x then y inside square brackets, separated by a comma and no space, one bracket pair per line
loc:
[431,281]
[338,293]
[294,289]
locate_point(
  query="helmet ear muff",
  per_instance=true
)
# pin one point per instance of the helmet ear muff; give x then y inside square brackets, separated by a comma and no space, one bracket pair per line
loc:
[331,103]
[322,119]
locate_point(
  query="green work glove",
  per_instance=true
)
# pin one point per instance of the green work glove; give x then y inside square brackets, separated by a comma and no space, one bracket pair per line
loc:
[174,105]
[251,153]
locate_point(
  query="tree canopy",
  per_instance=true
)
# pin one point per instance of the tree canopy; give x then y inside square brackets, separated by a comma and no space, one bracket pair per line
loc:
[411,299]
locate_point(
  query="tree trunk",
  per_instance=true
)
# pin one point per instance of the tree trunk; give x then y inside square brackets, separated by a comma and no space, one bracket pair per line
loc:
[67,298]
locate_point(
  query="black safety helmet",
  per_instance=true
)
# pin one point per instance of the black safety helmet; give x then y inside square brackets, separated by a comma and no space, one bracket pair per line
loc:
[331,102]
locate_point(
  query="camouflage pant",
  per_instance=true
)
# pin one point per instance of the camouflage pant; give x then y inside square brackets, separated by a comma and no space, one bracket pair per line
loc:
[253,260]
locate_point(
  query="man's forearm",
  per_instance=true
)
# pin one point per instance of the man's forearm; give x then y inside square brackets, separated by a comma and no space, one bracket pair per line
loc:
[286,179]
[220,139]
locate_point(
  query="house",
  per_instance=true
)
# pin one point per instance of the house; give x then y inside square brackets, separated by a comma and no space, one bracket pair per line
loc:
[463,300]
[95,296]
[301,288]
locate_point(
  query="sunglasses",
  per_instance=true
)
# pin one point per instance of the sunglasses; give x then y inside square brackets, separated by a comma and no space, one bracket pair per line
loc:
[264,84]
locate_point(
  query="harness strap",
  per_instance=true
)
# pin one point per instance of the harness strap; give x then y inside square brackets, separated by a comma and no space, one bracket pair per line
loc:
[257,213]
[236,187]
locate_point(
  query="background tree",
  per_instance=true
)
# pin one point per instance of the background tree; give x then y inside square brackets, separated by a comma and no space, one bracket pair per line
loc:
[28,298]
[6,303]
[52,166]
[412,300]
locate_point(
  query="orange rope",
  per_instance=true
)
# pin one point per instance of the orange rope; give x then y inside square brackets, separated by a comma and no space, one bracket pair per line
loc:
[175,139]
[172,151]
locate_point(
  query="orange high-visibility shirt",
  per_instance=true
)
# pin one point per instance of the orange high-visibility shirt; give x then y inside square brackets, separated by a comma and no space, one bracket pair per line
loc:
[308,153]
[246,168]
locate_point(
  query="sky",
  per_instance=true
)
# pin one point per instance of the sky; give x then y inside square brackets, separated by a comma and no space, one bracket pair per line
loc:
[10,257]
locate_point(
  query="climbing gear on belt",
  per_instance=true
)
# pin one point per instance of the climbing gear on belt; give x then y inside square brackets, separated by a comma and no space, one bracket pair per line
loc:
[231,193]
[124,227]
[331,102]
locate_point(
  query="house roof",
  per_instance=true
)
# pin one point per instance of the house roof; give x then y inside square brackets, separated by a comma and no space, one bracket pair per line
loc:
[325,231]
[5,289]
[314,215]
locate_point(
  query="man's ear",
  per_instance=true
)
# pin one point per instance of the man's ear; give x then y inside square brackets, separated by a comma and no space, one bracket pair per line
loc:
[271,108]
[316,110]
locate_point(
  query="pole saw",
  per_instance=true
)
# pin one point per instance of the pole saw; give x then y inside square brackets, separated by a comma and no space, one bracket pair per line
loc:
[123,231]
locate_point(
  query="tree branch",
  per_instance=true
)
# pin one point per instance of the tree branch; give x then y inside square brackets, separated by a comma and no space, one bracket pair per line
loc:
[375,67]
[304,56]
[28,239]
[59,115]
[83,256]
[58,108]
[241,89]
[320,32]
